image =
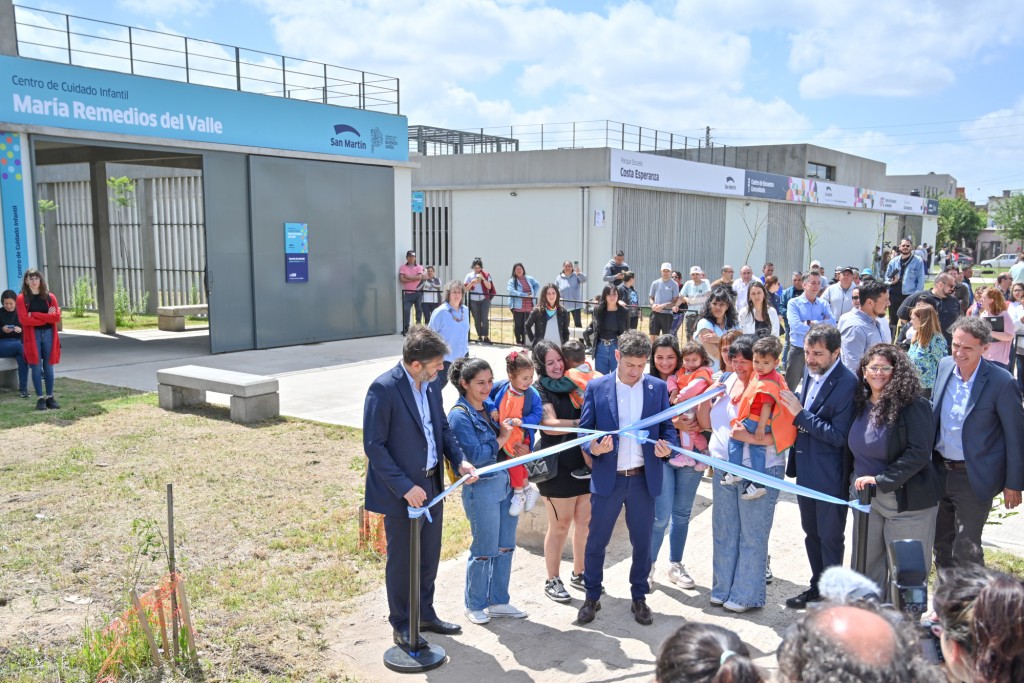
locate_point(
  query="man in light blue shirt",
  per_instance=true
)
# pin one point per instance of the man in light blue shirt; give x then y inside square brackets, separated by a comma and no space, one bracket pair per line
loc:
[801,313]
[860,327]
[905,276]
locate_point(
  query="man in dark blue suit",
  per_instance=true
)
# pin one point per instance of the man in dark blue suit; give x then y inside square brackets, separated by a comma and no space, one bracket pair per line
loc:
[405,435]
[823,415]
[979,443]
[626,472]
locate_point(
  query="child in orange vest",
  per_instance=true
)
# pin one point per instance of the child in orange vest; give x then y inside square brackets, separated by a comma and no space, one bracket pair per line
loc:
[692,379]
[518,403]
[760,412]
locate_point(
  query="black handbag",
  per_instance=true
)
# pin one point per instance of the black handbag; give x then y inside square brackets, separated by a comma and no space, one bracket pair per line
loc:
[542,469]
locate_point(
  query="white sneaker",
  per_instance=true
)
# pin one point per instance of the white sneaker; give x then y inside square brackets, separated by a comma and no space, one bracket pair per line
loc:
[532,496]
[753,492]
[730,480]
[477,616]
[677,574]
[516,506]
[505,610]
[735,607]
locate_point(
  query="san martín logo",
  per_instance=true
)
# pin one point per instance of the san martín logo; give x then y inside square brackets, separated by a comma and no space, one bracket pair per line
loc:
[347,141]
[730,183]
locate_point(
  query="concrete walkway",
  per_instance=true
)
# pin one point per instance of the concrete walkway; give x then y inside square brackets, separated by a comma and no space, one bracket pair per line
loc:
[327,382]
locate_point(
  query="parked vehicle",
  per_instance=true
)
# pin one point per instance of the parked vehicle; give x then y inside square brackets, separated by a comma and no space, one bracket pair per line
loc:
[1001,261]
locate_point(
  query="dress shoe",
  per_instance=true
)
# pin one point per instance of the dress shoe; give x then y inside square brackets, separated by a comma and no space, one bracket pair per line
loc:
[800,601]
[402,640]
[642,613]
[588,611]
[445,628]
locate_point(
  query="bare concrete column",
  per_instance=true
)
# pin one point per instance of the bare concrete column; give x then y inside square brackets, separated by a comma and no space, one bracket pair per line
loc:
[105,283]
[8,29]
[144,202]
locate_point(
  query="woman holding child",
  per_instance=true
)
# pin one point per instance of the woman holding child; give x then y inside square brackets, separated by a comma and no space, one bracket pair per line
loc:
[567,499]
[739,527]
[688,374]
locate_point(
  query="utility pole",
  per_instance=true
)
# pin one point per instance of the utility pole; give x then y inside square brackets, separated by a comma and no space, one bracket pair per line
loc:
[707,136]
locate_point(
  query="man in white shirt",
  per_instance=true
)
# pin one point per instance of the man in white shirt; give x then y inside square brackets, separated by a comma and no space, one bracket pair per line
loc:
[741,287]
[694,294]
[627,469]
[839,295]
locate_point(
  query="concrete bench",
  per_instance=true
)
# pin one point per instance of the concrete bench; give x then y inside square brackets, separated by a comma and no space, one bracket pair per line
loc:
[9,373]
[253,397]
[172,318]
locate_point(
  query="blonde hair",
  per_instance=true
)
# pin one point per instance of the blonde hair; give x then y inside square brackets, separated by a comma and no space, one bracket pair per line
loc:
[929,324]
[995,296]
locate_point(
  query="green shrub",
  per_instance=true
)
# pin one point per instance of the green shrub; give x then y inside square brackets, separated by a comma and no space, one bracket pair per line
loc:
[81,297]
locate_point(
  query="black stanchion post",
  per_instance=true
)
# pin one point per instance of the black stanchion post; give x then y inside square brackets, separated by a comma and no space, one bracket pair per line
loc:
[416,659]
[860,555]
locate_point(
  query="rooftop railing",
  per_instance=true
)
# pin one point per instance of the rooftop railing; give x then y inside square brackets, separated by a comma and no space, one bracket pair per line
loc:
[69,39]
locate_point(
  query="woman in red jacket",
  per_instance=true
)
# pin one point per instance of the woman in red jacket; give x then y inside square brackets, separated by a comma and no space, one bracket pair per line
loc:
[39,314]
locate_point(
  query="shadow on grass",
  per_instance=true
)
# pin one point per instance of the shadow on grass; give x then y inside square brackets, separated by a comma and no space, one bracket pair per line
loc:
[212,411]
[78,400]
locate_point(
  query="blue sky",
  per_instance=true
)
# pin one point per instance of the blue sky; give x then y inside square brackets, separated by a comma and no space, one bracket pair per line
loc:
[922,86]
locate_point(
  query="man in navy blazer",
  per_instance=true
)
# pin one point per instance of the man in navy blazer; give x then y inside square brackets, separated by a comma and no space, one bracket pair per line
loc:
[625,472]
[823,416]
[405,436]
[979,442]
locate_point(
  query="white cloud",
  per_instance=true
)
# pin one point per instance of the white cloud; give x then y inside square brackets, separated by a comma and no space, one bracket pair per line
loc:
[166,8]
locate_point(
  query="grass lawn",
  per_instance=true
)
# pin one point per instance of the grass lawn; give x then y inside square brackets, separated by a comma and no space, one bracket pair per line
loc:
[90,322]
[266,531]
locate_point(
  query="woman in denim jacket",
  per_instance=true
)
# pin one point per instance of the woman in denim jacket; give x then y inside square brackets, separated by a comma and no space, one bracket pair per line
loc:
[473,421]
[522,291]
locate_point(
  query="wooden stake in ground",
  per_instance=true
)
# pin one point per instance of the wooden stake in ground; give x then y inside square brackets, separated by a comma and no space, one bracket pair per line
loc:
[171,568]
[186,620]
[144,623]
[163,627]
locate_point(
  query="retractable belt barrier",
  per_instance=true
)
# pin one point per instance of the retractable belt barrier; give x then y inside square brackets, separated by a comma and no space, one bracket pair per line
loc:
[639,432]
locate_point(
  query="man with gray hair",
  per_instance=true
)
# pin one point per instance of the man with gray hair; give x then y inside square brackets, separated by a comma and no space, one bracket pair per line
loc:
[979,438]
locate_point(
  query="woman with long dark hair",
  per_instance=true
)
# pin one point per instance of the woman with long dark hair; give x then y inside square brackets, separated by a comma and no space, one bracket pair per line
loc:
[39,315]
[548,319]
[522,291]
[566,498]
[610,320]
[11,345]
[979,624]
[759,317]
[718,317]
[890,447]
[486,501]
[705,653]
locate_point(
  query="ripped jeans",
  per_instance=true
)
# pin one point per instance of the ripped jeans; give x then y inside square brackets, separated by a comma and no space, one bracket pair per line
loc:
[489,566]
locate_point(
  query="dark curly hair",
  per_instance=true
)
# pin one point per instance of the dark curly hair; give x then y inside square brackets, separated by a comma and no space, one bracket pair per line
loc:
[903,388]
[720,293]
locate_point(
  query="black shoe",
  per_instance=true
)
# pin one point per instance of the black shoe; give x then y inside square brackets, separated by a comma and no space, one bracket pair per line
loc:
[641,612]
[445,628]
[588,611]
[576,581]
[52,404]
[402,640]
[41,404]
[581,473]
[24,394]
[800,601]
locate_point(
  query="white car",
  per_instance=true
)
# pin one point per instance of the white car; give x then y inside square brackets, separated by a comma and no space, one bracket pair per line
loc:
[1001,261]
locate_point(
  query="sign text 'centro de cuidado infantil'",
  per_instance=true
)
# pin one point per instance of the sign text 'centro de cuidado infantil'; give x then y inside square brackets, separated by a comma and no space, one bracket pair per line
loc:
[49,94]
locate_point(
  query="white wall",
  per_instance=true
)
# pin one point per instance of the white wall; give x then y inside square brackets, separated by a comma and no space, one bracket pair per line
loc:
[540,227]
[746,236]
[601,244]
[845,237]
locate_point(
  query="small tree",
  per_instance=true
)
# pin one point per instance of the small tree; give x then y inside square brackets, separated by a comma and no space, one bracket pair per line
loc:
[812,237]
[44,206]
[1009,218]
[959,222]
[753,229]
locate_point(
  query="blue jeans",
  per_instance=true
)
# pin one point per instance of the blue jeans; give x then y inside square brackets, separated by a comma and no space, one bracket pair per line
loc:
[604,356]
[12,348]
[756,452]
[489,566]
[43,370]
[740,531]
[678,489]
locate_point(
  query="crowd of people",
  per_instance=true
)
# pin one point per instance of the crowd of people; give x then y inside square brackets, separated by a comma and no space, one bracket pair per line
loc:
[919,407]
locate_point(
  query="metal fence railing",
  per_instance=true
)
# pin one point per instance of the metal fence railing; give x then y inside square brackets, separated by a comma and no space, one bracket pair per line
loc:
[58,37]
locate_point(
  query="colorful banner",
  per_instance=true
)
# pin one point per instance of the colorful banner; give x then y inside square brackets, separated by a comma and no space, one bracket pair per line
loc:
[658,171]
[50,94]
[16,222]
[296,252]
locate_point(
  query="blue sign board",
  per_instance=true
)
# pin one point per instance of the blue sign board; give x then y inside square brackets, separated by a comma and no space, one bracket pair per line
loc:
[296,252]
[12,199]
[417,202]
[50,94]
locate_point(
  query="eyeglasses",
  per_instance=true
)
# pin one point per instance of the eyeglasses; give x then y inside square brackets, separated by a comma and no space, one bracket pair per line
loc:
[856,298]
[879,369]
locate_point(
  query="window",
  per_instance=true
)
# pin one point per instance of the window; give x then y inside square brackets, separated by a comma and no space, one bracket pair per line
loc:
[820,171]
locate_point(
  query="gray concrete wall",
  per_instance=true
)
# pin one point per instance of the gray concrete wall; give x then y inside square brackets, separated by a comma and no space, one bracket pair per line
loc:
[932,185]
[8,29]
[559,167]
